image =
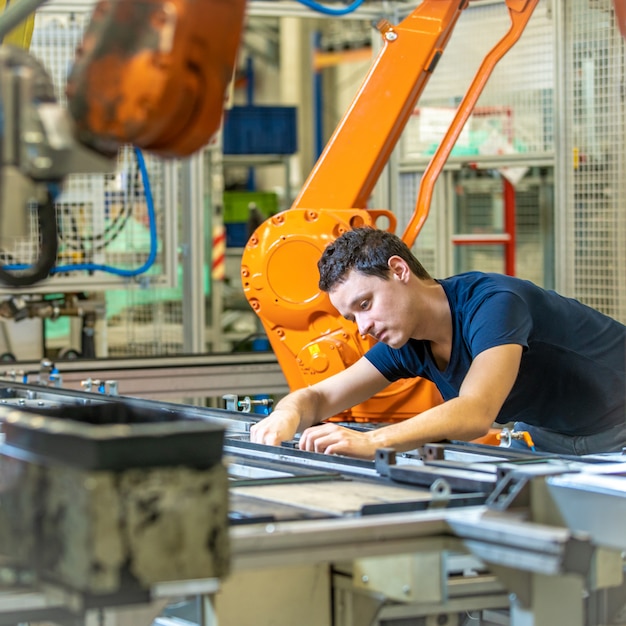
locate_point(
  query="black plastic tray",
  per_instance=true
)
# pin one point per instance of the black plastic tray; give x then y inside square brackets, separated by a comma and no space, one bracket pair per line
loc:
[111,435]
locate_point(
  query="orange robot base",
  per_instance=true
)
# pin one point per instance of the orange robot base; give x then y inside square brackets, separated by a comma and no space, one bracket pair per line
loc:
[309,338]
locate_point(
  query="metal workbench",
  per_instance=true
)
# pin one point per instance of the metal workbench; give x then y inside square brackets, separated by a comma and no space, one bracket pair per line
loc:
[449,534]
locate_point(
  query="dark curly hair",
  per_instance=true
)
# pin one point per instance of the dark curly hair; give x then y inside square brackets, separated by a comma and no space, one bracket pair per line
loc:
[366,250]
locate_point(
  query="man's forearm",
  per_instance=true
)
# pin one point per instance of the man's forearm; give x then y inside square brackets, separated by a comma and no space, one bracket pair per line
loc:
[458,418]
[304,403]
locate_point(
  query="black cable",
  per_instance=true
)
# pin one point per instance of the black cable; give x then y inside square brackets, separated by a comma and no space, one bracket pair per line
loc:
[100,241]
[43,91]
[49,246]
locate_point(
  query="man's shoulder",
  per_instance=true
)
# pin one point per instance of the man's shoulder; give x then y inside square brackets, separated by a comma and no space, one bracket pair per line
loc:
[471,285]
[481,278]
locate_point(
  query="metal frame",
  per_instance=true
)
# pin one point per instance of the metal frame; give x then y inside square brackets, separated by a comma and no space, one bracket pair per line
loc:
[193,216]
[564,279]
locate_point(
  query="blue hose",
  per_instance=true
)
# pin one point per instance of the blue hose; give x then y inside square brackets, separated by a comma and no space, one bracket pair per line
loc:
[328,11]
[153,235]
[92,267]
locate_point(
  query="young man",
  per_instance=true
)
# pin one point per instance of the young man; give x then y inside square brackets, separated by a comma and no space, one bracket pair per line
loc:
[499,349]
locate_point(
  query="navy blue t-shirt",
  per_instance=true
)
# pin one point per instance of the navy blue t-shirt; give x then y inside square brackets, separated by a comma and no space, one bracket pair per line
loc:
[572,376]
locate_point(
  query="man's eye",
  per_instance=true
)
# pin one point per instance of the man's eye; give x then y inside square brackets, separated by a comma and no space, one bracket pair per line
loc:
[364,304]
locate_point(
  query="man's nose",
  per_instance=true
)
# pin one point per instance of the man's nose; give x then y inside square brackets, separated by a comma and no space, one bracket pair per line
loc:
[363,324]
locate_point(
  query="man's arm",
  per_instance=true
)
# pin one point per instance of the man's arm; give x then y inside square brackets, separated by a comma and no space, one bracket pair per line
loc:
[310,405]
[482,394]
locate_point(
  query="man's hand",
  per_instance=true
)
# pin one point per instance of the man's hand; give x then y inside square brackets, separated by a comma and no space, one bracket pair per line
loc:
[333,439]
[301,409]
[280,425]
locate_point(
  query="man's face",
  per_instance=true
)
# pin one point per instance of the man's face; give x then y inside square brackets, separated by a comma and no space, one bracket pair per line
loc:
[380,308]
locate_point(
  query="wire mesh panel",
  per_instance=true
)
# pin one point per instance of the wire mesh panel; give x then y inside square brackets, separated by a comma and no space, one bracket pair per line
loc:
[514,114]
[594,157]
[107,223]
[534,228]
[425,246]
[481,211]
[511,126]
[116,231]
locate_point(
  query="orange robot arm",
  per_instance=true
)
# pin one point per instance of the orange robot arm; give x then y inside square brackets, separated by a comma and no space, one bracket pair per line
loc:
[620,15]
[279,266]
[154,73]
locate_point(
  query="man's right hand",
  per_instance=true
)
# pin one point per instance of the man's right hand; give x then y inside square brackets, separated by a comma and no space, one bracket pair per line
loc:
[281,425]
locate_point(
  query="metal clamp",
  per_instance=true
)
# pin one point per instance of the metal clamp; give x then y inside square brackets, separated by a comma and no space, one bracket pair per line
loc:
[48,374]
[107,387]
[506,437]
[233,403]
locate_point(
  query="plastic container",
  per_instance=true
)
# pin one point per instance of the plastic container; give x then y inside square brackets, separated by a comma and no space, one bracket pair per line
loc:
[236,234]
[237,204]
[260,130]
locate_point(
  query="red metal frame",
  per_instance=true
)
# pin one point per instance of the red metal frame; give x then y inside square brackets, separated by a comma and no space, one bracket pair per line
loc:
[507,239]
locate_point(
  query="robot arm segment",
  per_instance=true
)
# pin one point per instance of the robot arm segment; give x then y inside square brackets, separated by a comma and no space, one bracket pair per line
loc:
[520,12]
[352,161]
[154,73]
[310,339]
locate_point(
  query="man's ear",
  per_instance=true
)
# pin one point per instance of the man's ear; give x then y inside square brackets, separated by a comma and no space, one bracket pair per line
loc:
[399,268]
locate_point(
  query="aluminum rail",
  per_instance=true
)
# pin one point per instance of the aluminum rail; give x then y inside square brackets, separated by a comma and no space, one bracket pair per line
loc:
[204,375]
[316,541]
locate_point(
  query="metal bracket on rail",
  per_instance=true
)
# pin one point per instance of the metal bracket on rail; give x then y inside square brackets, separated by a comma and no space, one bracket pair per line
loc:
[440,488]
[107,387]
[233,403]
[446,488]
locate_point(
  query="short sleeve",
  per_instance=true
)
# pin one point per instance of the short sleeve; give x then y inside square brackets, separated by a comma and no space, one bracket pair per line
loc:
[501,318]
